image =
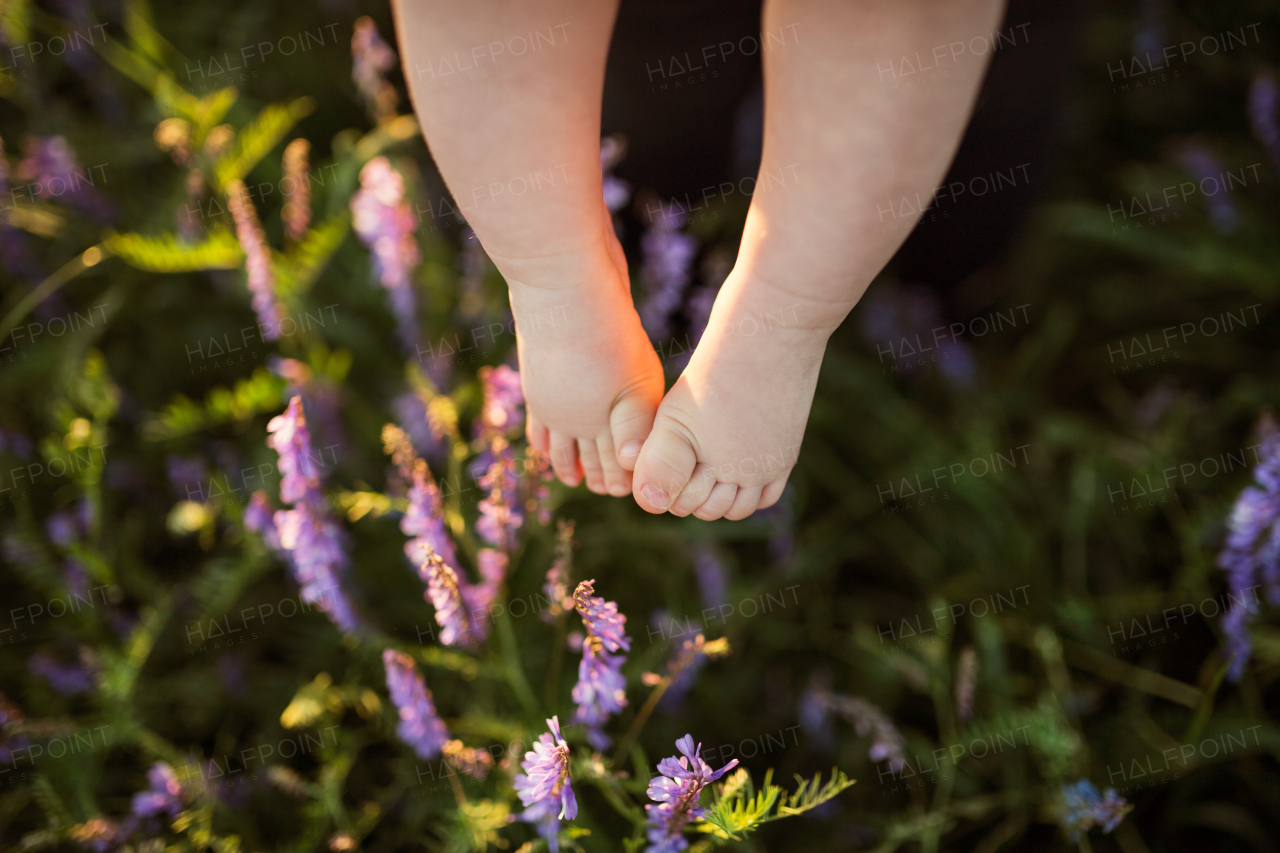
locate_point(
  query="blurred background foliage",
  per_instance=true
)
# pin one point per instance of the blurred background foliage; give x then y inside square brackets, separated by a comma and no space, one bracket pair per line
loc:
[157,412]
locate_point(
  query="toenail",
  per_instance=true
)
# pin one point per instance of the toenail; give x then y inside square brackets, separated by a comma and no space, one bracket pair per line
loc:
[618,490]
[655,496]
[630,450]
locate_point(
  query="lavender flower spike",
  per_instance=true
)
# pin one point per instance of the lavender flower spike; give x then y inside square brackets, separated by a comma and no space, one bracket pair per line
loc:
[424,520]
[1251,556]
[1084,808]
[677,791]
[297,205]
[601,617]
[420,726]
[164,795]
[503,397]
[383,219]
[601,690]
[544,786]
[445,594]
[311,539]
[257,259]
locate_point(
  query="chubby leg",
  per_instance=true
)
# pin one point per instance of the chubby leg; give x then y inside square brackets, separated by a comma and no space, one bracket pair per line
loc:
[508,93]
[838,148]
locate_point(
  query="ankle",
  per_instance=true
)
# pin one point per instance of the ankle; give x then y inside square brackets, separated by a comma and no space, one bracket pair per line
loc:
[753,300]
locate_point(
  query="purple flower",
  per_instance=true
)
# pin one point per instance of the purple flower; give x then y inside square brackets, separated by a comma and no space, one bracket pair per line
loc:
[424,520]
[165,794]
[711,575]
[322,396]
[312,540]
[260,517]
[71,525]
[559,576]
[544,786]
[1083,808]
[815,710]
[371,58]
[412,416]
[500,515]
[257,260]
[1264,106]
[601,617]
[420,726]
[503,399]
[668,258]
[75,578]
[297,204]
[1251,555]
[818,702]
[385,223]
[617,192]
[677,791]
[1198,160]
[444,591]
[886,742]
[601,690]
[186,474]
[69,679]
[299,478]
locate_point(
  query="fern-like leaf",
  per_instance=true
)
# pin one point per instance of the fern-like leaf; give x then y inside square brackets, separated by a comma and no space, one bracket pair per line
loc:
[740,809]
[257,139]
[812,793]
[166,253]
[297,271]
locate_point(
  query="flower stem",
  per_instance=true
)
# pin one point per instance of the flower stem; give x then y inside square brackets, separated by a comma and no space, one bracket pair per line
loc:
[511,657]
[88,258]
[557,660]
[641,718]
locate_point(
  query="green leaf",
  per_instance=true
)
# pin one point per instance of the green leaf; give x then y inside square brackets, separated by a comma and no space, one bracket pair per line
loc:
[137,23]
[166,253]
[475,826]
[262,392]
[211,110]
[744,808]
[812,793]
[739,808]
[298,271]
[257,139]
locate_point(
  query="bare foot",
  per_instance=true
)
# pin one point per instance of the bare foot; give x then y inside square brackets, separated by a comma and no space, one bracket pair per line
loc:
[592,381]
[728,432]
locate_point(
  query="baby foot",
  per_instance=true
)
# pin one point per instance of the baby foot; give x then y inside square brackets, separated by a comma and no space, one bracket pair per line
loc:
[592,381]
[728,432]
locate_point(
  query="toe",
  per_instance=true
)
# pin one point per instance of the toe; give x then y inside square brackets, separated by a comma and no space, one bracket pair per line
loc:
[696,492]
[664,467]
[591,470]
[718,502]
[616,480]
[772,493]
[538,435]
[745,503]
[564,458]
[631,420]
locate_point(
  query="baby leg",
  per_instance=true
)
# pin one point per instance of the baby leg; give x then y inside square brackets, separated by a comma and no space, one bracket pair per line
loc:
[517,138]
[838,148]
